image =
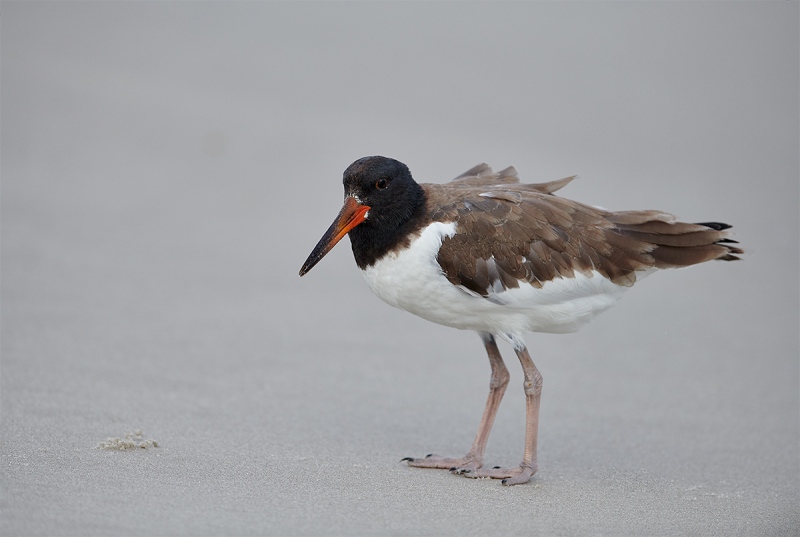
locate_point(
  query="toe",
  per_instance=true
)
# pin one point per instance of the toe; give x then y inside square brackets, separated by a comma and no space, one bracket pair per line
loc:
[523,476]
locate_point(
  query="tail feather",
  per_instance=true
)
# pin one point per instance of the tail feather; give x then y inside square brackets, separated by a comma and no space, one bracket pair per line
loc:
[675,257]
[679,244]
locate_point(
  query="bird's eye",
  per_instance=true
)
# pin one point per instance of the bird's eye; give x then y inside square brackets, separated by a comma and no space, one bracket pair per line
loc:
[382,183]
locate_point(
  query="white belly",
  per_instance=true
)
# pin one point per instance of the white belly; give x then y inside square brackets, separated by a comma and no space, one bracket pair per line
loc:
[412,280]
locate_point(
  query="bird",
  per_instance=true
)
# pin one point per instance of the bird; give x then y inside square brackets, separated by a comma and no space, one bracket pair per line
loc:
[487,253]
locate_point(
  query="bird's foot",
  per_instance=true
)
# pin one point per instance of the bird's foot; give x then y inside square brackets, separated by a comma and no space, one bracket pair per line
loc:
[467,463]
[510,476]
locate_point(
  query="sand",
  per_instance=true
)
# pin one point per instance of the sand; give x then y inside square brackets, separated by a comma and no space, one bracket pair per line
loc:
[167,167]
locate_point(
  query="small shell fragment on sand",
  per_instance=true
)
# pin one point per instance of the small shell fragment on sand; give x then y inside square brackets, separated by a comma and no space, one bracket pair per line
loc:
[132,440]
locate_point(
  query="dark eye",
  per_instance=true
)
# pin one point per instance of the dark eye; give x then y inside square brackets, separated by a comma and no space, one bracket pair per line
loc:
[382,183]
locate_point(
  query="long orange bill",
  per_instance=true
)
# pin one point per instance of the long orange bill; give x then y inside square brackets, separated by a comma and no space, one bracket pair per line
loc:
[352,214]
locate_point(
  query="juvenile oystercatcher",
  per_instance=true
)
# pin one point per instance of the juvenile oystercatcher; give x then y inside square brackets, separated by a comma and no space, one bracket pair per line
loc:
[486,253]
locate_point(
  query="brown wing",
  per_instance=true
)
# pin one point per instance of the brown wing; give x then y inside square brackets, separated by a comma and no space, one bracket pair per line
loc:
[482,175]
[508,234]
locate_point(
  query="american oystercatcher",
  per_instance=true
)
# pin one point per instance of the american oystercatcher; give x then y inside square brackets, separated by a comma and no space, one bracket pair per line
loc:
[486,253]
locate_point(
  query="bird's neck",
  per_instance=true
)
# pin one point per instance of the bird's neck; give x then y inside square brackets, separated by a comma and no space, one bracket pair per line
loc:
[387,230]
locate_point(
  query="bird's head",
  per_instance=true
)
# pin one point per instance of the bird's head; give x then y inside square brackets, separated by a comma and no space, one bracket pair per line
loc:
[380,195]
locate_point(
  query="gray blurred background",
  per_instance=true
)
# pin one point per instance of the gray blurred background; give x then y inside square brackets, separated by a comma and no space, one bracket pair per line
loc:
[168,166]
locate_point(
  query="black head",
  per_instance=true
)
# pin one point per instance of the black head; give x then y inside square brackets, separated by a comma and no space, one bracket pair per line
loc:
[382,202]
[386,186]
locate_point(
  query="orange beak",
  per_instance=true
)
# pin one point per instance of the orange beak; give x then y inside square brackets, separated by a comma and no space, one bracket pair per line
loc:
[352,214]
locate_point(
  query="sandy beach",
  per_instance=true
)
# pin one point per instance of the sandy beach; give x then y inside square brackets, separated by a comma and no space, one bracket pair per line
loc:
[168,166]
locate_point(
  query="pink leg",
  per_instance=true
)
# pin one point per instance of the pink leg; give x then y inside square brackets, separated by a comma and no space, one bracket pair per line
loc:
[497,387]
[533,394]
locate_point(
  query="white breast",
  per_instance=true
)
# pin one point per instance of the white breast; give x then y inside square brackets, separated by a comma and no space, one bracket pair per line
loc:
[412,280]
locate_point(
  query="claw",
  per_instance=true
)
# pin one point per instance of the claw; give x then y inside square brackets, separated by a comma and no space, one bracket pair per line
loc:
[404,459]
[429,455]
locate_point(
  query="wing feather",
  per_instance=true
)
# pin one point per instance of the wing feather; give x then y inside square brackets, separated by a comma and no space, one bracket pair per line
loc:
[509,234]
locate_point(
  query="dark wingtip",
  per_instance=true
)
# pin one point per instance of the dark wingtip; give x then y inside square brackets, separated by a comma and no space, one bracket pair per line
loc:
[733,252]
[718,226]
